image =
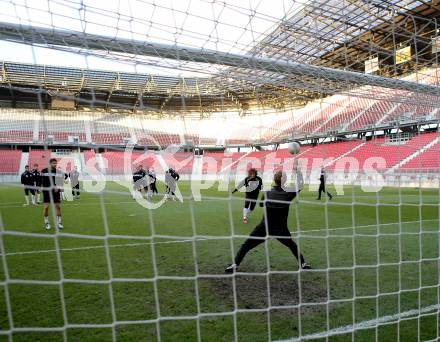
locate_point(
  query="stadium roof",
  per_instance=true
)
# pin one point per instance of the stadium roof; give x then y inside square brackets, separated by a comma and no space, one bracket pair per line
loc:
[27,84]
[322,27]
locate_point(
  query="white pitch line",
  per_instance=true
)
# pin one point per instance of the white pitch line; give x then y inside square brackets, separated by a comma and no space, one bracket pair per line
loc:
[303,233]
[365,324]
[98,247]
[64,204]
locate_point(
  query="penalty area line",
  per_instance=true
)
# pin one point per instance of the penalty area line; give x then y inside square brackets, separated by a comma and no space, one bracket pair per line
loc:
[99,247]
[303,234]
[372,323]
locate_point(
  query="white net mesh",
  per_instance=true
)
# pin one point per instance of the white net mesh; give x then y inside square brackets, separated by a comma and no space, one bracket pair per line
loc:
[211,89]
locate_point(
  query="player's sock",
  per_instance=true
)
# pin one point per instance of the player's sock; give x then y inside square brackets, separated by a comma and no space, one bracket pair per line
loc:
[59,223]
[33,199]
[46,222]
[245,211]
[26,198]
[38,198]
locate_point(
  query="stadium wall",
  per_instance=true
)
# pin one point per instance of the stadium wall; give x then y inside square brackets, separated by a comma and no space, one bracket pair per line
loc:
[369,181]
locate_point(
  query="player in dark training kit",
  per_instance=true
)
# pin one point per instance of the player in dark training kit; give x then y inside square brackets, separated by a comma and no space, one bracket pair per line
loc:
[322,181]
[52,180]
[37,182]
[171,178]
[138,176]
[74,182]
[153,179]
[273,223]
[145,179]
[253,184]
[27,179]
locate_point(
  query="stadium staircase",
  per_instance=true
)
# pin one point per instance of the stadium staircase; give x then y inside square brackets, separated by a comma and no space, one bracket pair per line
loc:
[231,165]
[333,116]
[388,114]
[391,153]
[100,162]
[360,114]
[352,150]
[88,131]
[24,160]
[82,161]
[36,130]
[427,161]
[424,159]
[322,154]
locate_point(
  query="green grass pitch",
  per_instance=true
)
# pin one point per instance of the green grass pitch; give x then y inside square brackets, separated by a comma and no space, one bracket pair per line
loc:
[373,255]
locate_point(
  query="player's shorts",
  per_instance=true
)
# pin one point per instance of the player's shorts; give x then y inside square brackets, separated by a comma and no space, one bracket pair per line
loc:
[29,190]
[253,201]
[274,230]
[171,187]
[137,186]
[51,197]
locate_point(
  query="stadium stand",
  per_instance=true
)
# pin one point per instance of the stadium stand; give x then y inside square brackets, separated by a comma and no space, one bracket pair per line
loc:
[334,155]
[161,139]
[325,153]
[88,155]
[66,163]
[16,136]
[10,161]
[109,138]
[182,162]
[222,161]
[114,161]
[390,153]
[17,125]
[40,157]
[424,161]
[333,113]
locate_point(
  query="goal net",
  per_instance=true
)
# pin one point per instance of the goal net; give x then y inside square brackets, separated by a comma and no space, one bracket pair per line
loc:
[155,111]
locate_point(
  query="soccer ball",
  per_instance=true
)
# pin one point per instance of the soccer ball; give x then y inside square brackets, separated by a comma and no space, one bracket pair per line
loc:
[293,148]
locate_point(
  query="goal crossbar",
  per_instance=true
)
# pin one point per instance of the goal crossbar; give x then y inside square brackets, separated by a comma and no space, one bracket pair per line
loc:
[34,35]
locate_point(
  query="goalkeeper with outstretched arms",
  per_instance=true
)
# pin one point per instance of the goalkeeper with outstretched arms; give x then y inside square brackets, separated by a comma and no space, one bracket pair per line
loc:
[253,184]
[274,222]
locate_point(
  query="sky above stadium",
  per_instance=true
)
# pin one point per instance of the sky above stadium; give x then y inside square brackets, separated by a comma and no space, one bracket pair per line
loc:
[234,26]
